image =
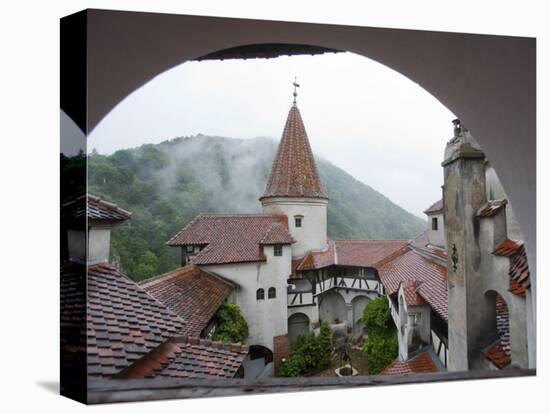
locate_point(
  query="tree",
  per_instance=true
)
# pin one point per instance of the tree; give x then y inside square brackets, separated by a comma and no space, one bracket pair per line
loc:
[231,326]
[381,346]
[309,353]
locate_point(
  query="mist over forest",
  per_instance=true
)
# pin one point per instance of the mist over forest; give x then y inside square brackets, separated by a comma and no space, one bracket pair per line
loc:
[166,185]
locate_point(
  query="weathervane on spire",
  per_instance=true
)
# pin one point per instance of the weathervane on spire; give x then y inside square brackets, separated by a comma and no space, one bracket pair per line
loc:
[296,85]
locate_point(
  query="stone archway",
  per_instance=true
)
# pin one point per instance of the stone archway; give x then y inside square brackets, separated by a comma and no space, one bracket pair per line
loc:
[332,307]
[298,324]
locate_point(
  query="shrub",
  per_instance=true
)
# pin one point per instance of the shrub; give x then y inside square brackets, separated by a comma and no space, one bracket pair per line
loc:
[381,346]
[230,324]
[309,353]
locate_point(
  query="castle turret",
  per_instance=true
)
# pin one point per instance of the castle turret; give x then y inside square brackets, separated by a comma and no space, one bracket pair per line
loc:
[295,189]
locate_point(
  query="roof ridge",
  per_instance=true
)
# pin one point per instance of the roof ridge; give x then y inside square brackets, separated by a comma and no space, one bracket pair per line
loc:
[163,276]
[225,346]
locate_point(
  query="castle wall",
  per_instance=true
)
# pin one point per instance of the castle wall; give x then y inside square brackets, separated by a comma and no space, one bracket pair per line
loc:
[312,235]
[266,318]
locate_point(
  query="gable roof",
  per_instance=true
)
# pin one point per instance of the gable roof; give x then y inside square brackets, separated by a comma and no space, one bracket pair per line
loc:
[233,238]
[421,363]
[435,207]
[124,322]
[94,208]
[407,265]
[187,357]
[294,173]
[358,253]
[193,294]
[410,292]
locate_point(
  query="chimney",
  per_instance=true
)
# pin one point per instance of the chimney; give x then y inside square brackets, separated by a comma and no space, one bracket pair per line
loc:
[464,195]
[88,221]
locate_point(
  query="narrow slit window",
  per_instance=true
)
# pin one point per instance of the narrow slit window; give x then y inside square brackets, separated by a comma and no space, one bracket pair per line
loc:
[434,223]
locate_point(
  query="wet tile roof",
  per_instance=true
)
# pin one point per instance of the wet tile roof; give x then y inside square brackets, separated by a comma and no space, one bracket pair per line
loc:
[187,357]
[193,294]
[519,267]
[233,238]
[124,322]
[94,208]
[407,265]
[491,208]
[435,207]
[422,242]
[421,363]
[410,292]
[294,173]
[359,253]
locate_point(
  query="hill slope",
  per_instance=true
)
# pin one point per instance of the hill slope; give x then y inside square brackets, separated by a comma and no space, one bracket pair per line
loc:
[168,184]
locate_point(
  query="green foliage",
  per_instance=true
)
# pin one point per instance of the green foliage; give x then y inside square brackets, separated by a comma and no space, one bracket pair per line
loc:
[309,353]
[231,325]
[166,185]
[381,346]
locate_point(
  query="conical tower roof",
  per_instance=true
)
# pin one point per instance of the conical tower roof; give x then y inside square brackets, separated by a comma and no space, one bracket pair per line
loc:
[294,173]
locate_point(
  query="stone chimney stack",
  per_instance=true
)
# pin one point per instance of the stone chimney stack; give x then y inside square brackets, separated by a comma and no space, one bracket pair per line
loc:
[464,194]
[88,221]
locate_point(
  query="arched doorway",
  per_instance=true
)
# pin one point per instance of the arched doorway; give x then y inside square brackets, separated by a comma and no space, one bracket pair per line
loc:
[358,304]
[258,362]
[332,308]
[298,324]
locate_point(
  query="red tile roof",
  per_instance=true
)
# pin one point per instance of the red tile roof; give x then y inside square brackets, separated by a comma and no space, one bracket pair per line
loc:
[187,357]
[435,207]
[193,294]
[94,208]
[124,322]
[496,354]
[294,173]
[407,265]
[422,362]
[422,242]
[410,292]
[359,253]
[233,238]
[519,267]
[491,208]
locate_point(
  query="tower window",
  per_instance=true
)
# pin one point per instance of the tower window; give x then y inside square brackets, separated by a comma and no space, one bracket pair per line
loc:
[271,293]
[434,223]
[189,249]
[278,250]
[298,221]
[260,294]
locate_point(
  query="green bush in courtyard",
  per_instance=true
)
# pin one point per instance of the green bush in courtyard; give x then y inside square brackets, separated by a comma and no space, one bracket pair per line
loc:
[230,324]
[381,346]
[309,353]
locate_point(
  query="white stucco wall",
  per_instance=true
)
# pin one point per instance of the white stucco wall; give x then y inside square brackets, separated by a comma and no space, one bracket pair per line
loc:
[406,327]
[266,318]
[313,233]
[97,247]
[437,237]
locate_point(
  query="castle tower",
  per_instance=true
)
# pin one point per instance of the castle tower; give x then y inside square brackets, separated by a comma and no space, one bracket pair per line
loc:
[295,189]
[463,195]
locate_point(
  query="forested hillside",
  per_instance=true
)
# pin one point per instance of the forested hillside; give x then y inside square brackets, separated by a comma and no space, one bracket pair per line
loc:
[168,184]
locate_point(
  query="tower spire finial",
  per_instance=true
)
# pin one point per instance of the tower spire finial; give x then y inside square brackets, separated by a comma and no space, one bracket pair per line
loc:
[296,85]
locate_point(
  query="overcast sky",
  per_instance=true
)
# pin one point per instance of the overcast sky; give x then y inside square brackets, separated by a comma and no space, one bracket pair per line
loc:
[367,119]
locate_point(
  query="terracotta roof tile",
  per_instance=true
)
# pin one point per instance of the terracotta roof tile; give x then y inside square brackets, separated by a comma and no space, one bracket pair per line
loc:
[410,292]
[94,208]
[407,265]
[435,207]
[496,354]
[294,173]
[232,238]
[421,363]
[359,253]
[188,357]
[193,294]
[519,267]
[491,208]
[124,322]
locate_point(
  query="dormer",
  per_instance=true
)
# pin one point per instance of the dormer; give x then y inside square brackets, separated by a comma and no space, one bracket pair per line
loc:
[436,224]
